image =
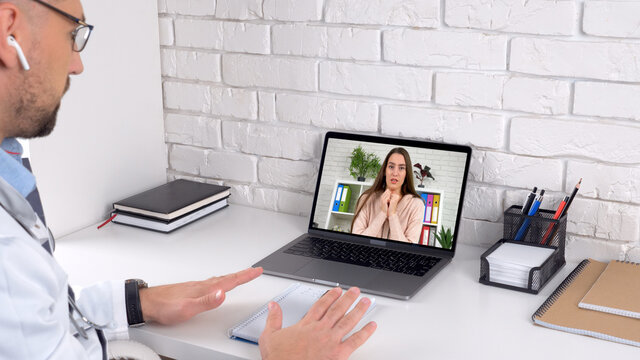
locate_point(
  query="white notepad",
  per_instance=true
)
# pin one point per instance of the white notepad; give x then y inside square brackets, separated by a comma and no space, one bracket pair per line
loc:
[511,263]
[295,301]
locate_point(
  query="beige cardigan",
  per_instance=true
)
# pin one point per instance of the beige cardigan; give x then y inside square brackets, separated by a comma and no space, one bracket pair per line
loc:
[405,225]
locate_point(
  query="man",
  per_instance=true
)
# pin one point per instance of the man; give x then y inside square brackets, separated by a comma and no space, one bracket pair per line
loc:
[40,317]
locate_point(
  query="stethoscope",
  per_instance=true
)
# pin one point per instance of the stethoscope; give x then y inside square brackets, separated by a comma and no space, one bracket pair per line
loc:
[80,328]
[82,331]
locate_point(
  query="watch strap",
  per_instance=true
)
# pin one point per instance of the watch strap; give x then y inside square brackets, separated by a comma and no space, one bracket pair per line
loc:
[132,300]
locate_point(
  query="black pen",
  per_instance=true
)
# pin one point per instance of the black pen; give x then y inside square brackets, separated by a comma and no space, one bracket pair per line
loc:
[528,201]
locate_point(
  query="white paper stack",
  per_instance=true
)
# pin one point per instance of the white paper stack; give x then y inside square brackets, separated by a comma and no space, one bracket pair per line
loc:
[511,263]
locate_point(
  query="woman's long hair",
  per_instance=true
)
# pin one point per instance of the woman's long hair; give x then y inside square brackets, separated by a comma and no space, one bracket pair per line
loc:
[380,183]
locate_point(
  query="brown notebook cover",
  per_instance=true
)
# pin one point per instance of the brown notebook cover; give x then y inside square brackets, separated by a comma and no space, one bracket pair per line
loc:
[561,311]
[617,290]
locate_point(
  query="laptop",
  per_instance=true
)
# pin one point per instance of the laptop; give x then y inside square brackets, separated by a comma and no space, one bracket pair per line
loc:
[358,237]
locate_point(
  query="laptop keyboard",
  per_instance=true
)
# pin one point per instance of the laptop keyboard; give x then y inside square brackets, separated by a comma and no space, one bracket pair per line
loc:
[368,256]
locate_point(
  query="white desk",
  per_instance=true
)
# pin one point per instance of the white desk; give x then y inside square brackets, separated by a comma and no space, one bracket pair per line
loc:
[452,317]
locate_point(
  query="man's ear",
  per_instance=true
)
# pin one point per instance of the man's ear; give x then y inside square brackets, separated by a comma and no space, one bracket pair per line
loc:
[9,21]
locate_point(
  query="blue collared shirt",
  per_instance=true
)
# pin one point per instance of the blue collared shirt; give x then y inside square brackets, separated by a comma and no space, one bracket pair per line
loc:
[11,169]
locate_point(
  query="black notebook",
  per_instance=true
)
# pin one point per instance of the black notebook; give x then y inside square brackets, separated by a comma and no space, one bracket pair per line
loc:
[172,199]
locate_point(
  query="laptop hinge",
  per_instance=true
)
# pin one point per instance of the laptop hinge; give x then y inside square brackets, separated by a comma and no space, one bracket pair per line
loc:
[378,242]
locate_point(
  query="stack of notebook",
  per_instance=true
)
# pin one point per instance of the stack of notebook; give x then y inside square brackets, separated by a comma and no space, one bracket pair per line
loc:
[511,263]
[597,299]
[171,205]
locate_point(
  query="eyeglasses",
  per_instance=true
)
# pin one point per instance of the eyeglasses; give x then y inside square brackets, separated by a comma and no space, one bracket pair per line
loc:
[81,34]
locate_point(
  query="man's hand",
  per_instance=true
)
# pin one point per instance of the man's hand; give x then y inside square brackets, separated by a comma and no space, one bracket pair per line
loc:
[319,334]
[171,304]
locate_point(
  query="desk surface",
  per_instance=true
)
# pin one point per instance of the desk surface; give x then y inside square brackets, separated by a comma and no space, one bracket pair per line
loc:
[452,317]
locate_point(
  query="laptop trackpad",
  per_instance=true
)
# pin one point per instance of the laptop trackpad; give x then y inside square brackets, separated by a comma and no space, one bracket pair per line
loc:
[336,272]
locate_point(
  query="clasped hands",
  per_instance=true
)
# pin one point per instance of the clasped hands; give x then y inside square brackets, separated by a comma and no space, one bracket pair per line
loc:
[319,335]
[389,202]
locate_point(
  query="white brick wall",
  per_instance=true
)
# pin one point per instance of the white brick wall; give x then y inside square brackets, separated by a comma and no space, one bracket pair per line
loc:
[548,17]
[273,72]
[237,103]
[469,89]
[353,43]
[607,100]
[295,175]
[191,7]
[193,130]
[536,95]
[248,38]
[545,91]
[166,31]
[192,65]
[394,82]
[612,18]
[238,9]
[198,33]
[612,143]
[300,39]
[327,113]
[418,13]
[615,61]
[482,130]
[446,48]
[293,10]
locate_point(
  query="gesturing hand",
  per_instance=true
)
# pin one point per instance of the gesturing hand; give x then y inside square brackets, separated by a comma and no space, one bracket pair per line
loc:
[171,304]
[384,202]
[319,334]
[393,203]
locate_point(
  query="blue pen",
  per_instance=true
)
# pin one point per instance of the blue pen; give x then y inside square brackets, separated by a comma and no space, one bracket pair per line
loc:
[534,209]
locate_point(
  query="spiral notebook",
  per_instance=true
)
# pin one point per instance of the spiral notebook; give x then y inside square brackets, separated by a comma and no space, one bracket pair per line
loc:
[561,312]
[617,290]
[295,301]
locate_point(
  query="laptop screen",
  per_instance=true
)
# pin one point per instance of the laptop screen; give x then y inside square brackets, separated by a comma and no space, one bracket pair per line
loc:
[391,189]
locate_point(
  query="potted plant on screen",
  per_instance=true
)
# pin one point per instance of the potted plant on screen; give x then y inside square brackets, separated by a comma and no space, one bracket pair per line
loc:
[363,164]
[422,174]
[445,238]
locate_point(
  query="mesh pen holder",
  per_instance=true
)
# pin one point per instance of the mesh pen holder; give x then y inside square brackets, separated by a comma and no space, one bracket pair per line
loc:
[543,231]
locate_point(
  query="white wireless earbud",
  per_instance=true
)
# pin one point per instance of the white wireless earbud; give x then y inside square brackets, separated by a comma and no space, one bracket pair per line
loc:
[23,60]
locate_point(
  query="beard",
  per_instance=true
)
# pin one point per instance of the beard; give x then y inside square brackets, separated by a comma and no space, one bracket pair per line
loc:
[34,119]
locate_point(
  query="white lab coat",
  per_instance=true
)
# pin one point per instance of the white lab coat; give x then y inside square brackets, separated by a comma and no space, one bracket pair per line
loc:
[34,310]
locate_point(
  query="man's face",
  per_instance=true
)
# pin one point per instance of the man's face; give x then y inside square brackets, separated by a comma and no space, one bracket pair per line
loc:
[52,59]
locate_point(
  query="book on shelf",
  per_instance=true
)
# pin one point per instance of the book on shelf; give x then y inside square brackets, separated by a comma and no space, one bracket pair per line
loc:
[345,199]
[436,207]
[172,200]
[166,226]
[424,235]
[336,201]
[428,208]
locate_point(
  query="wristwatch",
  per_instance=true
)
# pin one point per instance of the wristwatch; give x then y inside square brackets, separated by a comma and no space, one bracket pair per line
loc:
[132,298]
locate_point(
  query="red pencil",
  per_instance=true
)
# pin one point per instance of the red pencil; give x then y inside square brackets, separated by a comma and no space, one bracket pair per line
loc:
[556,216]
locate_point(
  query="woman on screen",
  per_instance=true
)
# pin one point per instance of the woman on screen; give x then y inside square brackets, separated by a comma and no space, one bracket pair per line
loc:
[391,208]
